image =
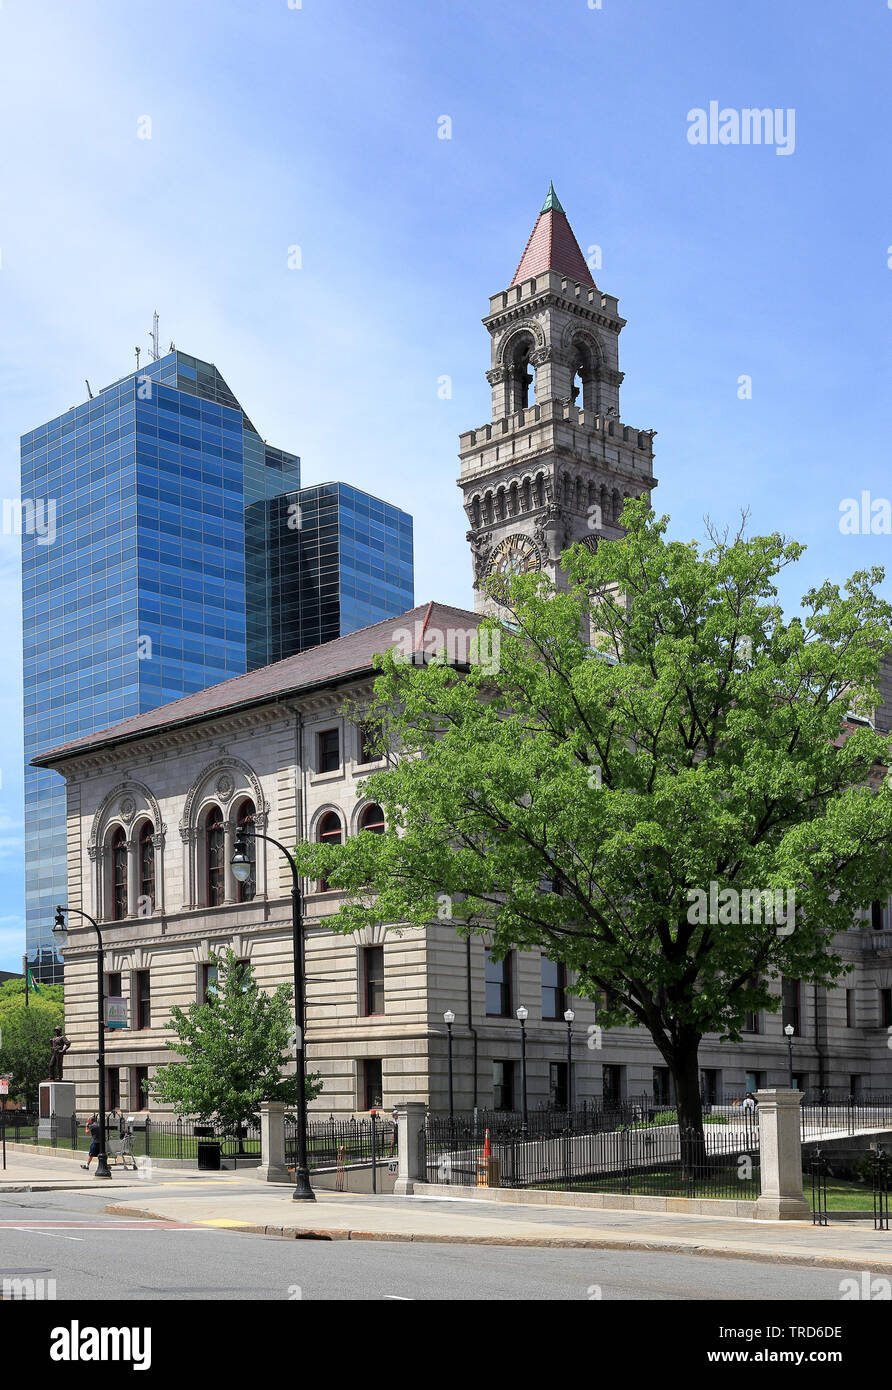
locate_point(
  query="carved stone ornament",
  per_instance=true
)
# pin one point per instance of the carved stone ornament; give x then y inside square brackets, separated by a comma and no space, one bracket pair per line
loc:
[224,786]
[480,552]
[127,809]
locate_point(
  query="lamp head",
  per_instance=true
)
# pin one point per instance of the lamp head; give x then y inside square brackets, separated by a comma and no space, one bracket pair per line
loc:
[60,930]
[569,1015]
[240,864]
[449,1018]
[523,1014]
[789,1030]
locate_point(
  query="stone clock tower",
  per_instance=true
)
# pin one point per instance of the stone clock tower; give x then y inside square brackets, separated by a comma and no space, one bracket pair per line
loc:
[556,464]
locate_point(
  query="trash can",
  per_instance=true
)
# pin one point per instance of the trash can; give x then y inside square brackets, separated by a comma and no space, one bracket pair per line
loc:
[209,1149]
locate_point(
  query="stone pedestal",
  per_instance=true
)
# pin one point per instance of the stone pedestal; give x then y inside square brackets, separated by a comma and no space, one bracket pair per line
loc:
[780,1157]
[55,1098]
[410,1151]
[272,1143]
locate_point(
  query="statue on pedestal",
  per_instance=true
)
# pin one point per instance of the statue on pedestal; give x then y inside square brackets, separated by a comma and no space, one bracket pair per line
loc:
[59,1045]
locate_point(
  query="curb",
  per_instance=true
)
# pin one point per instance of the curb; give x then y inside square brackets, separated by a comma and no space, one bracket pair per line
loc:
[668,1247]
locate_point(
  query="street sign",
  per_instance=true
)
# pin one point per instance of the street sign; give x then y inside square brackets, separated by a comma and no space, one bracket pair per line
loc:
[115,1012]
[4,1086]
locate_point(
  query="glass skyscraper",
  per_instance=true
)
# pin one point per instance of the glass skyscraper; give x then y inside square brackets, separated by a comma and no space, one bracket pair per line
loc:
[156,570]
[338,560]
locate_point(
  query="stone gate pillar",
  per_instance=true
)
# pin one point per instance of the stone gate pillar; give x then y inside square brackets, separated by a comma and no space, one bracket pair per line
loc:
[780,1150]
[272,1143]
[410,1130]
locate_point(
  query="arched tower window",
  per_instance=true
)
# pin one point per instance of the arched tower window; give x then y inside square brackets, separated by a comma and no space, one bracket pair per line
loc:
[147,866]
[215,857]
[119,874]
[584,391]
[330,832]
[372,819]
[244,826]
[522,375]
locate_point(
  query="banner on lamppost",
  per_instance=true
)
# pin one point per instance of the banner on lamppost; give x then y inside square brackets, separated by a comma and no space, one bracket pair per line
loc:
[115,1012]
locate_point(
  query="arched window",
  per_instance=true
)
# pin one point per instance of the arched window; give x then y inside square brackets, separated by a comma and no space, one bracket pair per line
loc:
[147,866]
[244,824]
[119,874]
[522,379]
[330,832]
[215,857]
[372,819]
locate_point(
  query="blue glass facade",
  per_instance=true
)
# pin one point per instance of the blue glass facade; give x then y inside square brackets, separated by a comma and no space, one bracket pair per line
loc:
[138,594]
[339,560]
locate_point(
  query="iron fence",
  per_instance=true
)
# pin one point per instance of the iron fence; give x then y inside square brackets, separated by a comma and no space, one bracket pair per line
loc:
[177,1138]
[332,1143]
[851,1182]
[824,1114]
[639,1159]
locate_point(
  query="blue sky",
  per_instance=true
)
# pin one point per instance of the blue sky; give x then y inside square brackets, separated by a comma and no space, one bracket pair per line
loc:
[317,126]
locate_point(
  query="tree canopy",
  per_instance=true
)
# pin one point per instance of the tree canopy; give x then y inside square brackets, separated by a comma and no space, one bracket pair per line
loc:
[628,800]
[25,1035]
[235,1050]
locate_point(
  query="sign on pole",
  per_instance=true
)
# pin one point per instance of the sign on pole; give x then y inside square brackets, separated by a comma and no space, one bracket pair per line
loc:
[115,1012]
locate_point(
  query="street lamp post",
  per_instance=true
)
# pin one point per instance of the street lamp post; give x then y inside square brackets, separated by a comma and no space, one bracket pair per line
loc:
[449,1019]
[241,867]
[522,1016]
[60,932]
[789,1031]
[568,1019]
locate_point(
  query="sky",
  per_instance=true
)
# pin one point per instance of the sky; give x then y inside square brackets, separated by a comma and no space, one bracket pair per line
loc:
[171,156]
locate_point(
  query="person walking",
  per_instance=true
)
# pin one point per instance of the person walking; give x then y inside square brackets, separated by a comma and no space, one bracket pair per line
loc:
[94,1129]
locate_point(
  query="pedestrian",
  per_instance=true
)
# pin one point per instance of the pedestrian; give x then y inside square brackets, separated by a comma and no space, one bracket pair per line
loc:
[749,1103]
[94,1129]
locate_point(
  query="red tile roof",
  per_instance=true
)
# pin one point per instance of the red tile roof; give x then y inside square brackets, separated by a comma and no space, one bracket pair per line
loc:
[329,664]
[552,246]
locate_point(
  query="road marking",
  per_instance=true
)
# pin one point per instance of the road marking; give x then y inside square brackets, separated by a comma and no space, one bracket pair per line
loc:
[53,1235]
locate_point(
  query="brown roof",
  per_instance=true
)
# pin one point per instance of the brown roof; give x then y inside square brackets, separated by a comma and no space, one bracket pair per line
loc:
[331,663]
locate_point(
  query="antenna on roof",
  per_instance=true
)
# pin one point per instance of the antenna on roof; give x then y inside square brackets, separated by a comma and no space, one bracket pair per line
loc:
[154,337]
[138,351]
[89,392]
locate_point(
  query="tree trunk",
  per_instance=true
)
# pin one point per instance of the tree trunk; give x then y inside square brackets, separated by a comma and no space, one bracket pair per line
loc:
[684,1064]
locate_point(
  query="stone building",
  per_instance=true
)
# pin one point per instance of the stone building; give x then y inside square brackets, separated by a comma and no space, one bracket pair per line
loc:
[155,803]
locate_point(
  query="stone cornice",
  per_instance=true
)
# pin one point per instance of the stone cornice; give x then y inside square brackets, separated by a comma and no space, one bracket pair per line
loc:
[552,299]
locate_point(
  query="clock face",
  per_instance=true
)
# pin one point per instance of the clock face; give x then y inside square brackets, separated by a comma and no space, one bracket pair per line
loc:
[515,555]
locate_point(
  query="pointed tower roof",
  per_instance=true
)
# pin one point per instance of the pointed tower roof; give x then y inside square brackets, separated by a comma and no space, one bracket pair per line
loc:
[552,246]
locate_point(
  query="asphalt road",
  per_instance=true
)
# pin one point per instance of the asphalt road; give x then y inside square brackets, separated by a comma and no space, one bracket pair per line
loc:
[66,1236]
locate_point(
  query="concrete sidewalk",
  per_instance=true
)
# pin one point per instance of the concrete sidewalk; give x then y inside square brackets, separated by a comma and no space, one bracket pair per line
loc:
[335,1216]
[51,1173]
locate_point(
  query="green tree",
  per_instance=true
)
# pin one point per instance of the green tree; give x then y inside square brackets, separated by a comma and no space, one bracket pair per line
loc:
[25,1038]
[235,1048]
[584,797]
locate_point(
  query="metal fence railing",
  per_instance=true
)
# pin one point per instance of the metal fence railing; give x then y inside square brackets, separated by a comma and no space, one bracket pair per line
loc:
[850,1181]
[641,1159]
[332,1143]
[177,1138]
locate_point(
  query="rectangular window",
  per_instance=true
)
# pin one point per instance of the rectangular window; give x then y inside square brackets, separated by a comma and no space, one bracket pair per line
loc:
[553,987]
[208,983]
[754,1081]
[791,1004]
[139,1099]
[877,915]
[612,1084]
[372,1083]
[850,1008]
[503,1085]
[752,1022]
[886,1008]
[113,988]
[557,1085]
[855,1087]
[709,1086]
[662,1084]
[367,750]
[498,986]
[143,1000]
[113,1087]
[328,745]
[373,970]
